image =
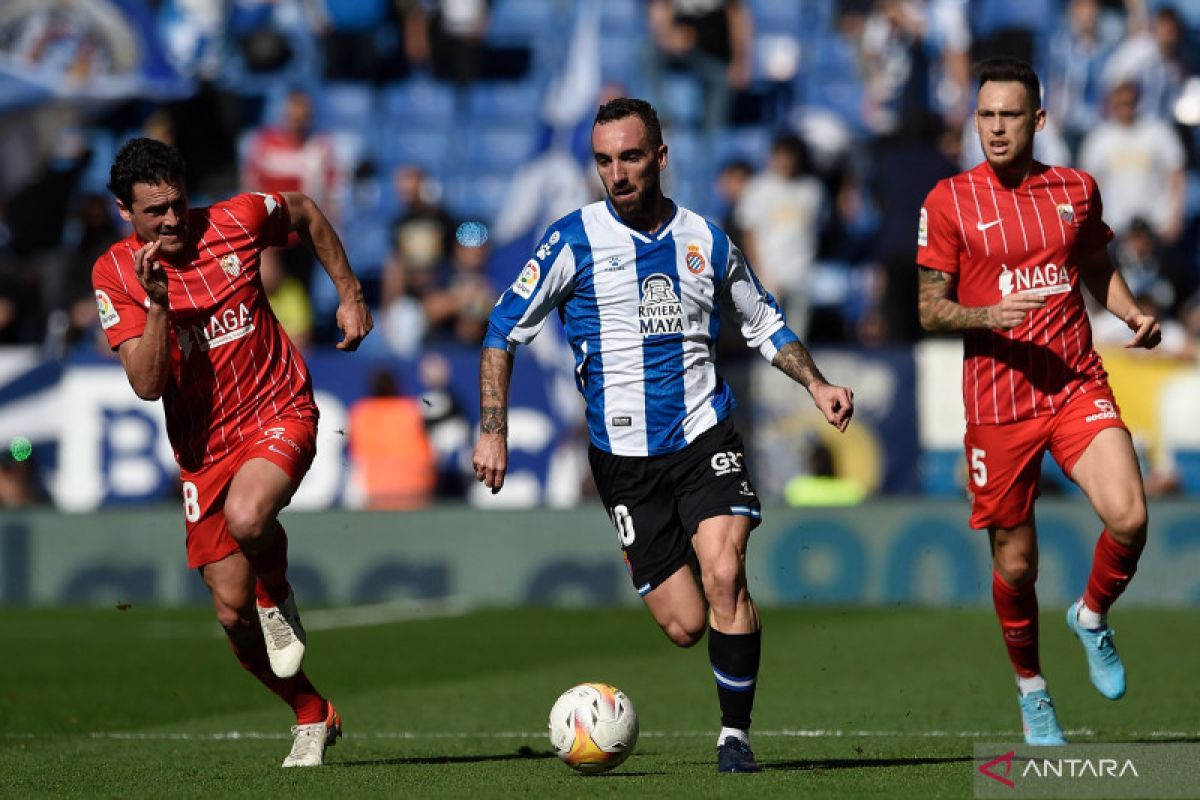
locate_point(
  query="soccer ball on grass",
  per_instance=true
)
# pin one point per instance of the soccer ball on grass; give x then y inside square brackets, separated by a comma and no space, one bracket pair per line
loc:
[593,727]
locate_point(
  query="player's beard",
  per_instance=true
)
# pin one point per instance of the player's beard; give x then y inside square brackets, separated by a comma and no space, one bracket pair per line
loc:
[638,207]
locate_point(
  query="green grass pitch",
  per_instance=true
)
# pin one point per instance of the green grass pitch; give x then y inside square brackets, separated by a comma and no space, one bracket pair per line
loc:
[851,703]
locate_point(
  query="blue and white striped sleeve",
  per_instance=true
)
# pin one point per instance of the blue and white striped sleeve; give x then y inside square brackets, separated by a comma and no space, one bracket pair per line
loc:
[544,282]
[763,325]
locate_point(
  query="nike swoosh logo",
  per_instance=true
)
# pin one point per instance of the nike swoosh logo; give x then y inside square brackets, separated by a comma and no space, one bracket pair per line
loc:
[275,449]
[983,226]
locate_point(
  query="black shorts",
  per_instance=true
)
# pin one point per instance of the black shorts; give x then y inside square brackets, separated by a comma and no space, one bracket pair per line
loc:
[658,502]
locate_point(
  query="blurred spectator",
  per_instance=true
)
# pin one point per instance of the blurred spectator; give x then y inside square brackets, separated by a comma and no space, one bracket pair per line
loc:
[447,425]
[1157,57]
[819,484]
[905,48]
[458,309]
[91,231]
[1149,268]
[293,157]
[779,215]
[422,239]
[730,187]
[1005,28]
[423,234]
[449,37]
[391,460]
[19,485]
[906,168]
[709,39]
[1075,61]
[288,298]
[1139,165]
[1110,330]
[362,40]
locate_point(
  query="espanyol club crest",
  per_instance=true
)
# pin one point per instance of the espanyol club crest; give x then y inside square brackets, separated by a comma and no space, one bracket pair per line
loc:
[1067,212]
[232,265]
[694,259]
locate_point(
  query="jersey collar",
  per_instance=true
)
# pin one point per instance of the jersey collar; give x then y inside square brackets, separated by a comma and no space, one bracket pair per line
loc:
[642,235]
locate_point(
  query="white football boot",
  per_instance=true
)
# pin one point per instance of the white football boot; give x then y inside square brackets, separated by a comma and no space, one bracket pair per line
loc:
[308,747]
[284,635]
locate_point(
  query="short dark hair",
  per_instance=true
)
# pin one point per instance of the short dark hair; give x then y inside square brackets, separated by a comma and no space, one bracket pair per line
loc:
[144,161]
[1006,69]
[624,107]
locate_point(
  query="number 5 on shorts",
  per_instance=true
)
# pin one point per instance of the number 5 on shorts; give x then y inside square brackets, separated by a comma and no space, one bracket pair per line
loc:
[978,468]
[191,501]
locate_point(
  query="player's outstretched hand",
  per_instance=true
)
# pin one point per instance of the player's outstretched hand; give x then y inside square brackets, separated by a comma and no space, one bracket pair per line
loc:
[354,321]
[1146,331]
[150,273]
[491,460]
[835,402]
[1012,309]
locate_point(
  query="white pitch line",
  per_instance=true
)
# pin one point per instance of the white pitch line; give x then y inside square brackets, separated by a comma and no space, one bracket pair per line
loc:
[814,733]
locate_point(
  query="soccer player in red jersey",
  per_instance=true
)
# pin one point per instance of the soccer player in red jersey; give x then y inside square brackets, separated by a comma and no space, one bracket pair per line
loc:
[182,303]
[1004,249]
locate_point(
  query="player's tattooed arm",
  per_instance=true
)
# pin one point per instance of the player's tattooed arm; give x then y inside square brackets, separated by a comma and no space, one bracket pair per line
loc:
[491,451]
[835,402]
[794,360]
[941,314]
[495,371]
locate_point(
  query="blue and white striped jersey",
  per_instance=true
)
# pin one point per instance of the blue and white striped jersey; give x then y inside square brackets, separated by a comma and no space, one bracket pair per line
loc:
[642,313]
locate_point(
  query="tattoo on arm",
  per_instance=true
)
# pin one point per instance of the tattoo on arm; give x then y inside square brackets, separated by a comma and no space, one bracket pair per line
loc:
[495,370]
[793,360]
[939,312]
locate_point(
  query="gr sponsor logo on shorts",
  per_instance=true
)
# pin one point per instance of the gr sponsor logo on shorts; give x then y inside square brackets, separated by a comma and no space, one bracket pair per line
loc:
[1107,411]
[726,463]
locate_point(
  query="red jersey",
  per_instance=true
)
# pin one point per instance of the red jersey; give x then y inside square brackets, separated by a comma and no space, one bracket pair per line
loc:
[995,240]
[233,369]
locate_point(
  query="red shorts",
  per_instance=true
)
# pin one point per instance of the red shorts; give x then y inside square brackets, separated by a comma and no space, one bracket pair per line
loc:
[290,444]
[1004,462]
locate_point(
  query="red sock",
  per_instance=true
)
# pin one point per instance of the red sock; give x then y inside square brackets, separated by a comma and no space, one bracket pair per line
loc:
[1017,608]
[297,691]
[270,570]
[1112,566]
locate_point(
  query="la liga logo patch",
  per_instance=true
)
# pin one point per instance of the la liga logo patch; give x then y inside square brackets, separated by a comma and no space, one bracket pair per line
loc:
[527,281]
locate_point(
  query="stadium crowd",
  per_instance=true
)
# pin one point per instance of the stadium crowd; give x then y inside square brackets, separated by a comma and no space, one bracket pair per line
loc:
[441,137]
[813,129]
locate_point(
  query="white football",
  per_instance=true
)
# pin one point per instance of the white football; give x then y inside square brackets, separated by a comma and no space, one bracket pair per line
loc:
[593,727]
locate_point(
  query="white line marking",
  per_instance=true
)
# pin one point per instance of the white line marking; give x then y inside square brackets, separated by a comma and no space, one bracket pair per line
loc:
[801,733]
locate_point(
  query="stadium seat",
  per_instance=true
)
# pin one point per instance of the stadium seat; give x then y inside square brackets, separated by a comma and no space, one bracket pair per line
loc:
[622,19]
[419,102]
[344,106]
[621,57]
[682,100]
[477,195]
[776,16]
[429,149]
[516,101]
[750,143]
[499,148]
[521,20]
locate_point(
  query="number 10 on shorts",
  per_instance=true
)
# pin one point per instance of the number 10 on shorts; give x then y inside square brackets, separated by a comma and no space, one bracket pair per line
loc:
[624,523]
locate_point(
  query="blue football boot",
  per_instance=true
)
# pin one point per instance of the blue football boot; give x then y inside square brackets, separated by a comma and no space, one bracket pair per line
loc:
[1039,720]
[1104,662]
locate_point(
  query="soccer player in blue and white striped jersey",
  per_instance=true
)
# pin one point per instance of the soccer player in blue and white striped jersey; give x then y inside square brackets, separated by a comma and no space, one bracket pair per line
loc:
[640,285]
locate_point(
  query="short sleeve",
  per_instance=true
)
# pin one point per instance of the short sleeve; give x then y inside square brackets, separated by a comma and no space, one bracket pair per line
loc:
[265,215]
[122,312]
[938,239]
[1093,232]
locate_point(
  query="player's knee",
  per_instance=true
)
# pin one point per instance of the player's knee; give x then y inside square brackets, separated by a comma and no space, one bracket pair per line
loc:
[722,583]
[245,520]
[685,632]
[233,619]
[1128,525]
[1016,568]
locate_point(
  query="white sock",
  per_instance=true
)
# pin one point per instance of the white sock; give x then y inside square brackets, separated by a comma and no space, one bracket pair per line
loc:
[1090,619]
[736,733]
[1027,685]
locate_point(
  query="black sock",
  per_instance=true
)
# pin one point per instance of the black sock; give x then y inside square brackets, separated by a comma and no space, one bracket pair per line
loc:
[734,658]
